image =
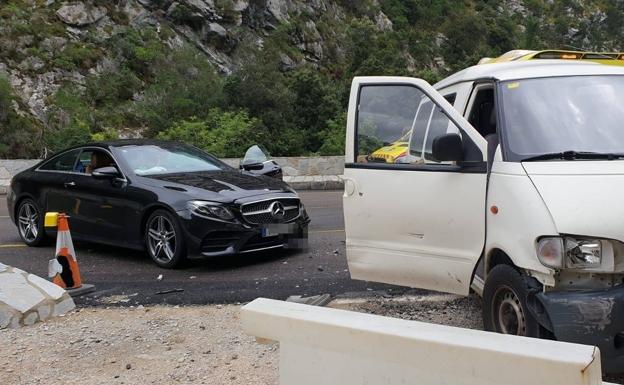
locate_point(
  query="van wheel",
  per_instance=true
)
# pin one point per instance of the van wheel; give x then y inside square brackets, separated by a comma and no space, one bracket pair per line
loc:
[164,240]
[505,303]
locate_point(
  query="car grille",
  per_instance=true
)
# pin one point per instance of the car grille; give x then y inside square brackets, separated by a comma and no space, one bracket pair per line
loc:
[262,212]
[219,241]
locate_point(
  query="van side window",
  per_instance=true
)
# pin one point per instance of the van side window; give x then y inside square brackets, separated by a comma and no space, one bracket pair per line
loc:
[398,124]
[483,118]
[483,112]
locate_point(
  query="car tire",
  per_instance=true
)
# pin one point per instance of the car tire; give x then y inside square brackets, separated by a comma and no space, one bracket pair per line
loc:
[29,220]
[505,303]
[164,240]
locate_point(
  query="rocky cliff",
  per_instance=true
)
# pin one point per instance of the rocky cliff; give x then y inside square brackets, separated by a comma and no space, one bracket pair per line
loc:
[47,43]
[138,67]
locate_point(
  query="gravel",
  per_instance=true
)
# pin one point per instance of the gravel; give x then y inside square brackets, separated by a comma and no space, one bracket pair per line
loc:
[182,345]
[152,345]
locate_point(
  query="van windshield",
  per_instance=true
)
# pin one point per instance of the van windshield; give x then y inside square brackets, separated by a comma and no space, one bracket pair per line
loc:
[580,114]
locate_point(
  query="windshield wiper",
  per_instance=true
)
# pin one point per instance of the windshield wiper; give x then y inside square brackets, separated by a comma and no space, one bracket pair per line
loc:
[573,155]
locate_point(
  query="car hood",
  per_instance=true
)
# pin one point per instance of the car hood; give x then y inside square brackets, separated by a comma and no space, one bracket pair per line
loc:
[222,186]
[583,197]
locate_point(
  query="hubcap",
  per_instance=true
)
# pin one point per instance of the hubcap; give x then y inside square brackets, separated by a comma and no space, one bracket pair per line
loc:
[161,239]
[28,220]
[508,313]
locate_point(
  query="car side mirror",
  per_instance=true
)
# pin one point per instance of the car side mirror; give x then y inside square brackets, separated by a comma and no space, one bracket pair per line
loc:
[448,147]
[252,166]
[106,173]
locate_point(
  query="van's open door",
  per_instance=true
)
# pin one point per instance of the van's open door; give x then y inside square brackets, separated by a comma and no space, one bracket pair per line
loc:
[410,219]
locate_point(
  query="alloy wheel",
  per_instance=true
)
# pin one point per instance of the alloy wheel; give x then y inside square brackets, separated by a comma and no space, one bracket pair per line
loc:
[507,312]
[28,222]
[161,239]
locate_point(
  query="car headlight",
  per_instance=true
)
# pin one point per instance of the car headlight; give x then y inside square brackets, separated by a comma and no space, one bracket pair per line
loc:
[569,252]
[550,252]
[583,253]
[210,210]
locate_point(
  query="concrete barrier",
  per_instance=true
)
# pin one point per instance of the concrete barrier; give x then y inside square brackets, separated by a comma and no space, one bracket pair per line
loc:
[302,173]
[337,347]
[26,298]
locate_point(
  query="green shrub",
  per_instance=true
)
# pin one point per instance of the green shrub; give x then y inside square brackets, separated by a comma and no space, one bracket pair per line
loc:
[334,136]
[20,134]
[77,56]
[222,133]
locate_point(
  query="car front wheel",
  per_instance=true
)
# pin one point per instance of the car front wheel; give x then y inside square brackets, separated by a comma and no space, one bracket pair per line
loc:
[164,240]
[30,223]
[505,303]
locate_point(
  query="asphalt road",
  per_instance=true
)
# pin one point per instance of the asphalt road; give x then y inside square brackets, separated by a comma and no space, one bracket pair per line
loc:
[131,277]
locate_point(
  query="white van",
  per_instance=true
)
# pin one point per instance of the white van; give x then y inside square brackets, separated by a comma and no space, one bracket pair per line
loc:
[512,183]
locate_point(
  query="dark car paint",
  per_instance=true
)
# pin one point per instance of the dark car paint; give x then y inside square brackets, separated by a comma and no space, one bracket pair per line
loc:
[269,168]
[127,202]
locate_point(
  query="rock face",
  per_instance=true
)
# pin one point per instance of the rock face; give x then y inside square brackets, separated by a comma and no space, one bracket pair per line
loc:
[80,14]
[26,298]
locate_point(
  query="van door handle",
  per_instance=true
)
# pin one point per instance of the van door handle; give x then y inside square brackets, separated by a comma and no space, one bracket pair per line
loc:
[69,184]
[351,187]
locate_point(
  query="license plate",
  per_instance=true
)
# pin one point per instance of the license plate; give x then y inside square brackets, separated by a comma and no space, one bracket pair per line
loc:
[266,232]
[278,229]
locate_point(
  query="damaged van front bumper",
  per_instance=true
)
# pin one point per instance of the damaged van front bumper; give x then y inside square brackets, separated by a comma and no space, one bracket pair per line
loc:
[586,317]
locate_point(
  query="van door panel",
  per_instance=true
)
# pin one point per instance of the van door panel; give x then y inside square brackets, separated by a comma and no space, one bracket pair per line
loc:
[420,224]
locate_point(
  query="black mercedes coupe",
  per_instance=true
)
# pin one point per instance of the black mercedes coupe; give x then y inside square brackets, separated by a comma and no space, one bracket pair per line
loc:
[168,198]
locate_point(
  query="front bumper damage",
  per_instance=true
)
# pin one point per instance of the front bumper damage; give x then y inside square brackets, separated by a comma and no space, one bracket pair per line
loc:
[586,317]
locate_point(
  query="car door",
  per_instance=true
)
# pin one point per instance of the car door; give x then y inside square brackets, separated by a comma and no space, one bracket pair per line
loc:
[52,178]
[417,222]
[99,207]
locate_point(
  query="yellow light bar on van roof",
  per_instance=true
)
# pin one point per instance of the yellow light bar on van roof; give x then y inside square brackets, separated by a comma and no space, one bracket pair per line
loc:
[613,58]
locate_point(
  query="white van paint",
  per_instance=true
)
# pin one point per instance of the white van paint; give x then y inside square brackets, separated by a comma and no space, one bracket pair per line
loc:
[336,347]
[445,226]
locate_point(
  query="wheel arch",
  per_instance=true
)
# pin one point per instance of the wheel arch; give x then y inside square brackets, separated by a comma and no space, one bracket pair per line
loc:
[497,256]
[148,212]
[18,202]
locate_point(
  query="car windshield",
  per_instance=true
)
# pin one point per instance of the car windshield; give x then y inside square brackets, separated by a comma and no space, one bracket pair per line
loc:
[169,159]
[581,114]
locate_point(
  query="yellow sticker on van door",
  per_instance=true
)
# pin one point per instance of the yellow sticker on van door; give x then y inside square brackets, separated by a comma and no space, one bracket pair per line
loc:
[511,86]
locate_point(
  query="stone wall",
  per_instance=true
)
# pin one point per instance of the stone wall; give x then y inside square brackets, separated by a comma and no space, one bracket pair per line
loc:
[305,166]
[10,167]
[302,172]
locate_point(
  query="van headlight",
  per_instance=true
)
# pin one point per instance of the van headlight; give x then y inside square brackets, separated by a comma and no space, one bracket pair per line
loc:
[210,210]
[569,252]
[583,253]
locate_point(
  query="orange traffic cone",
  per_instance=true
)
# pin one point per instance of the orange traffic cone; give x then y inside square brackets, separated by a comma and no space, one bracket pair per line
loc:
[69,278]
[64,269]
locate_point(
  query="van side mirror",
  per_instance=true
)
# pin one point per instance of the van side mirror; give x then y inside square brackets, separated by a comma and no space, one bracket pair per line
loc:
[448,147]
[108,172]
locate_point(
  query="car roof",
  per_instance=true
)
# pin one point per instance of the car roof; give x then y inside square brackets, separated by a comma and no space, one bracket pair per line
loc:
[529,69]
[126,142]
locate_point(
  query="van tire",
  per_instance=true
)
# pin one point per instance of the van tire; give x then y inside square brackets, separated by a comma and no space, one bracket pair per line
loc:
[505,307]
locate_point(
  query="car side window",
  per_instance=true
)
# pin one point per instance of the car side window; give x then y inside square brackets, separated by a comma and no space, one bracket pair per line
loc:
[91,159]
[397,124]
[63,162]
